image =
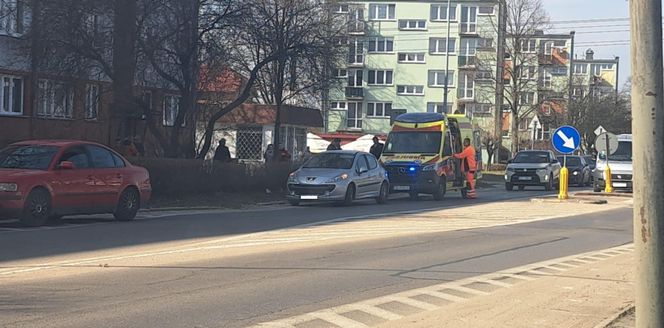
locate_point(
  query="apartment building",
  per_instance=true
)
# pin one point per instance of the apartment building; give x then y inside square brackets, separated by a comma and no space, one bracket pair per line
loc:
[594,76]
[401,56]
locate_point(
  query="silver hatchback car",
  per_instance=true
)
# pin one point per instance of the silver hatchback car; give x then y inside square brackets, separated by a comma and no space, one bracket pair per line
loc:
[339,176]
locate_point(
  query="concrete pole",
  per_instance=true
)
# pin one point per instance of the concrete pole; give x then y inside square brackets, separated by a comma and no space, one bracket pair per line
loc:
[500,85]
[648,156]
[447,58]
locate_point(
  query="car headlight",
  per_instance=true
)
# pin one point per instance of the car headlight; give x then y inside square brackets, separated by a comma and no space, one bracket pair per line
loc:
[575,173]
[510,169]
[541,172]
[8,187]
[339,178]
[292,178]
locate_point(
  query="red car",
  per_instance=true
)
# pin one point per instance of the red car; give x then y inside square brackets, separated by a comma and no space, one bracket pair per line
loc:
[48,179]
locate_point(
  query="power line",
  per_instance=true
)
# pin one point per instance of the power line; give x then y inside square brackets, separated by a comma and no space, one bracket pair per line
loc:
[594,20]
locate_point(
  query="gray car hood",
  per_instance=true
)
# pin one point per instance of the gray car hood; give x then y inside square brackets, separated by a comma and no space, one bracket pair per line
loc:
[313,176]
[527,166]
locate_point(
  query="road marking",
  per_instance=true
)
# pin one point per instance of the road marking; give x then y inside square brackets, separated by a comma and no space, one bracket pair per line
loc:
[331,315]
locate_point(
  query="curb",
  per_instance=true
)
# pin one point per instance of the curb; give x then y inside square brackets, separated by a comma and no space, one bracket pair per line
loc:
[553,199]
[603,194]
[613,319]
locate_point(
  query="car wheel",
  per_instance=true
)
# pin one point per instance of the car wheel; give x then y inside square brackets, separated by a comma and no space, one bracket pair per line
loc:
[413,195]
[549,185]
[522,188]
[37,208]
[130,202]
[442,190]
[294,202]
[383,193]
[509,186]
[350,195]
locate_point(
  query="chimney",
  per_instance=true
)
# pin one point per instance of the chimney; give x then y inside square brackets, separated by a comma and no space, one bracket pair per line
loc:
[590,54]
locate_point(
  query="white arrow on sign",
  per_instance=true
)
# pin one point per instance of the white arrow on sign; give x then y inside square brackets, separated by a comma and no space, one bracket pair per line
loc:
[567,141]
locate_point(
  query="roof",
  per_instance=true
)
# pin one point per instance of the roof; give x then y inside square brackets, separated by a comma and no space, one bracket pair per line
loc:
[53,142]
[420,117]
[260,114]
[352,152]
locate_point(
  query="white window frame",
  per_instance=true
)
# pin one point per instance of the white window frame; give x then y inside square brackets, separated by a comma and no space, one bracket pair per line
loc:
[483,75]
[548,48]
[13,18]
[374,11]
[559,70]
[596,69]
[356,78]
[92,97]
[527,96]
[56,100]
[410,90]
[485,43]
[356,109]
[411,57]
[7,95]
[340,9]
[580,69]
[412,25]
[338,71]
[466,86]
[469,20]
[439,107]
[438,13]
[379,109]
[480,13]
[546,109]
[481,108]
[436,43]
[528,46]
[528,72]
[436,78]
[338,105]
[173,100]
[577,92]
[375,43]
[386,75]
[547,78]
[358,54]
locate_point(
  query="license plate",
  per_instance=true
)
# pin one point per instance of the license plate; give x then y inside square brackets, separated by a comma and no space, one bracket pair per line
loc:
[401,188]
[525,178]
[620,184]
[308,197]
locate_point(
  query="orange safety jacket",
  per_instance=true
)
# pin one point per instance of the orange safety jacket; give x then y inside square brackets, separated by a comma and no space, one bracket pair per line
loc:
[469,159]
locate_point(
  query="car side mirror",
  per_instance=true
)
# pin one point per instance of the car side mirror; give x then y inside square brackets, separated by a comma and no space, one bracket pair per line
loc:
[509,161]
[66,165]
[362,170]
[554,161]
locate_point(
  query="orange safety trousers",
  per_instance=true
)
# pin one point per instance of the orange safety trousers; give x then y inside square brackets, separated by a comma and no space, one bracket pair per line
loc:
[470,177]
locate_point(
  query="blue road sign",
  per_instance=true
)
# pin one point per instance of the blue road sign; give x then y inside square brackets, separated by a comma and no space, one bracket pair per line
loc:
[566,139]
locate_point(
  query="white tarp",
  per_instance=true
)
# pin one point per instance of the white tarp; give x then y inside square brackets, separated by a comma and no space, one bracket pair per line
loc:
[362,143]
[316,144]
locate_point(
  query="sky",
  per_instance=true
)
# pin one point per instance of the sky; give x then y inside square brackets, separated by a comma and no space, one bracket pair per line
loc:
[605,28]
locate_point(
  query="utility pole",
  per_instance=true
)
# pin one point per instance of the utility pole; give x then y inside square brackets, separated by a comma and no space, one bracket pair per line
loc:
[500,81]
[447,57]
[648,155]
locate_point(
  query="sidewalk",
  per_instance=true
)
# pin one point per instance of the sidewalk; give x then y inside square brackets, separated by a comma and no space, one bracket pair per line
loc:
[585,296]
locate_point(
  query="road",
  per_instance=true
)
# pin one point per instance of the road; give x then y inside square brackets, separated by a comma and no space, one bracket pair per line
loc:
[234,269]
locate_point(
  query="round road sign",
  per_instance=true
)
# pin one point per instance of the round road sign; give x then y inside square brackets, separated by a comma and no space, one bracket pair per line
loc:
[606,142]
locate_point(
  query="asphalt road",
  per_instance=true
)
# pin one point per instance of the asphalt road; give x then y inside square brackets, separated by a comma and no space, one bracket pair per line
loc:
[236,291]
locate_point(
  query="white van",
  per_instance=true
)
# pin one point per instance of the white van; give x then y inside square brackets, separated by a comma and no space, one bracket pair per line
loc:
[621,166]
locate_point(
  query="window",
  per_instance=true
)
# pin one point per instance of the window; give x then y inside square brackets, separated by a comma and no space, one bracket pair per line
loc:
[439,12]
[485,10]
[528,72]
[340,9]
[340,73]
[356,52]
[373,163]
[483,76]
[101,158]
[577,93]
[119,162]
[12,17]
[354,117]
[468,20]
[56,99]
[410,90]
[479,108]
[379,109]
[524,124]
[437,78]
[412,24]
[11,95]
[559,70]
[528,46]
[76,155]
[526,98]
[382,12]
[548,48]
[580,68]
[411,57]
[249,144]
[441,46]
[468,52]
[439,107]
[596,69]
[355,77]
[380,77]
[485,43]
[171,110]
[546,109]
[91,101]
[362,164]
[466,86]
[607,66]
[381,45]
[337,105]
[547,79]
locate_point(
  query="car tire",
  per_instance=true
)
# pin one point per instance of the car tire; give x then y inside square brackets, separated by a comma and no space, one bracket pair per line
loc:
[294,202]
[383,194]
[549,185]
[37,208]
[128,205]
[413,195]
[350,195]
[509,186]
[442,190]
[522,188]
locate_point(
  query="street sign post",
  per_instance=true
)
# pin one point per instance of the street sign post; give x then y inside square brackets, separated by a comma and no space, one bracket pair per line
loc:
[534,126]
[600,129]
[607,143]
[565,140]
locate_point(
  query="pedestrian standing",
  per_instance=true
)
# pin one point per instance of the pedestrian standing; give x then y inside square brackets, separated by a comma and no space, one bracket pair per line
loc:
[376,148]
[222,154]
[269,153]
[335,145]
[469,165]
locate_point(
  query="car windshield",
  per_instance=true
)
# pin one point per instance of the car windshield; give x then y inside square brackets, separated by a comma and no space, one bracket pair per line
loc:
[571,161]
[532,157]
[622,154]
[413,142]
[27,157]
[330,161]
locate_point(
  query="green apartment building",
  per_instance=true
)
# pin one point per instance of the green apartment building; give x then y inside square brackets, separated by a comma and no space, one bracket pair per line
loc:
[398,54]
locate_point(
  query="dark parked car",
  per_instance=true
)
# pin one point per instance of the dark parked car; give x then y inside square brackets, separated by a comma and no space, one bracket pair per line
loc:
[53,178]
[580,173]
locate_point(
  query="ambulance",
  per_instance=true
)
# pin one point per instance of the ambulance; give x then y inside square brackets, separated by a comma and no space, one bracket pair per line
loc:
[418,154]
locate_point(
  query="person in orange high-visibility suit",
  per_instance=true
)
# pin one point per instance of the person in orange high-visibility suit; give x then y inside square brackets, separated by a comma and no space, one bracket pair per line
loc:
[469,165]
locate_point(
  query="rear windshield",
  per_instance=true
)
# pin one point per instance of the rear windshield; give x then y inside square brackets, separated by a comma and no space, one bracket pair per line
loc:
[330,161]
[27,157]
[532,157]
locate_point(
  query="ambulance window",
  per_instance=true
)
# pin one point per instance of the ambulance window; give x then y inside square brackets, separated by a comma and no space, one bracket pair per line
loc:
[447,146]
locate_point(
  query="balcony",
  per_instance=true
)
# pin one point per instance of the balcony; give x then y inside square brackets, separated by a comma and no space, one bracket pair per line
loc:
[467,62]
[357,27]
[354,92]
